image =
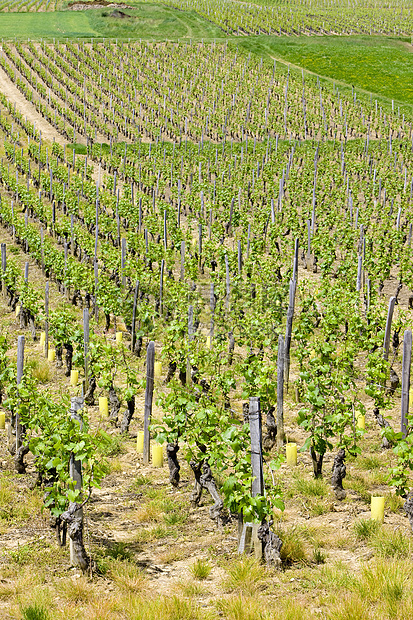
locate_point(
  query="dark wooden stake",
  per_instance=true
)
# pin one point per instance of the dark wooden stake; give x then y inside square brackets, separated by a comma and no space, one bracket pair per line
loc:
[86,336]
[135,303]
[407,358]
[288,331]
[280,393]
[150,373]
[46,324]
[75,471]
[386,344]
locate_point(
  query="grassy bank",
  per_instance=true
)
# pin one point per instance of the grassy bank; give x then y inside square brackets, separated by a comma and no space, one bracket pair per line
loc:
[381,65]
[146,21]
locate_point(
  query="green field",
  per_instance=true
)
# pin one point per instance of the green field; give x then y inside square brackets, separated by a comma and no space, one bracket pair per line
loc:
[49,25]
[147,21]
[381,65]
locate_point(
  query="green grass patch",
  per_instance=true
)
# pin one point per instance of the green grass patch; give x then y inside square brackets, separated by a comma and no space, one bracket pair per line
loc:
[152,21]
[46,25]
[144,21]
[382,65]
[79,149]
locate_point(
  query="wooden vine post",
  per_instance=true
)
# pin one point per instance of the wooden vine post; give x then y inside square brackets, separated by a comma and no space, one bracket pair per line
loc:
[135,303]
[86,335]
[19,428]
[227,283]
[161,287]
[280,393]
[150,373]
[288,331]
[182,260]
[3,268]
[123,261]
[386,343]
[190,338]
[257,487]
[407,358]
[249,542]
[75,471]
[46,324]
[42,247]
[212,309]
[96,272]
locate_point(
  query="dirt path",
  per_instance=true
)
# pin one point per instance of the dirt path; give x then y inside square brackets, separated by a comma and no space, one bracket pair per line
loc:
[27,109]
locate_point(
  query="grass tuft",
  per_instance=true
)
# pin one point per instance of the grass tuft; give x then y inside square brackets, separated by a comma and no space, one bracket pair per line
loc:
[309,487]
[40,370]
[34,612]
[364,529]
[393,503]
[245,576]
[142,480]
[119,551]
[319,557]
[292,549]
[391,544]
[350,607]
[242,608]
[201,569]
[111,445]
[128,576]
[77,590]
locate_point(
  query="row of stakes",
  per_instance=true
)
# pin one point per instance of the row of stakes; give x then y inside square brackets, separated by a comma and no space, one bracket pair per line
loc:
[377,503]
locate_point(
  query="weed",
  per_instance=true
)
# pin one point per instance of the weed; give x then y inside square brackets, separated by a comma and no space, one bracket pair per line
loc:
[127,576]
[359,485]
[147,534]
[40,370]
[319,557]
[369,462]
[201,569]
[364,529]
[110,445]
[115,466]
[164,608]
[336,576]
[388,544]
[293,611]
[350,608]
[317,507]
[7,497]
[157,493]
[175,517]
[36,603]
[77,590]
[309,487]
[34,612]
[292,549]
[245,576]
[386,582]
[148,513]
[119,551]
[171,555]
[393,503]
[190,588]
[24,554]
[242,608]
[142,480]
[15,506]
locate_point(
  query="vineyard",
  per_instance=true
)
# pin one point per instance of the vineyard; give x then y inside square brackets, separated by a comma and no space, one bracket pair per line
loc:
[206,294]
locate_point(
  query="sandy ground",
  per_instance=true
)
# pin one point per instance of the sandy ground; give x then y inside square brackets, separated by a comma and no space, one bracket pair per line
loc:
[27,109]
